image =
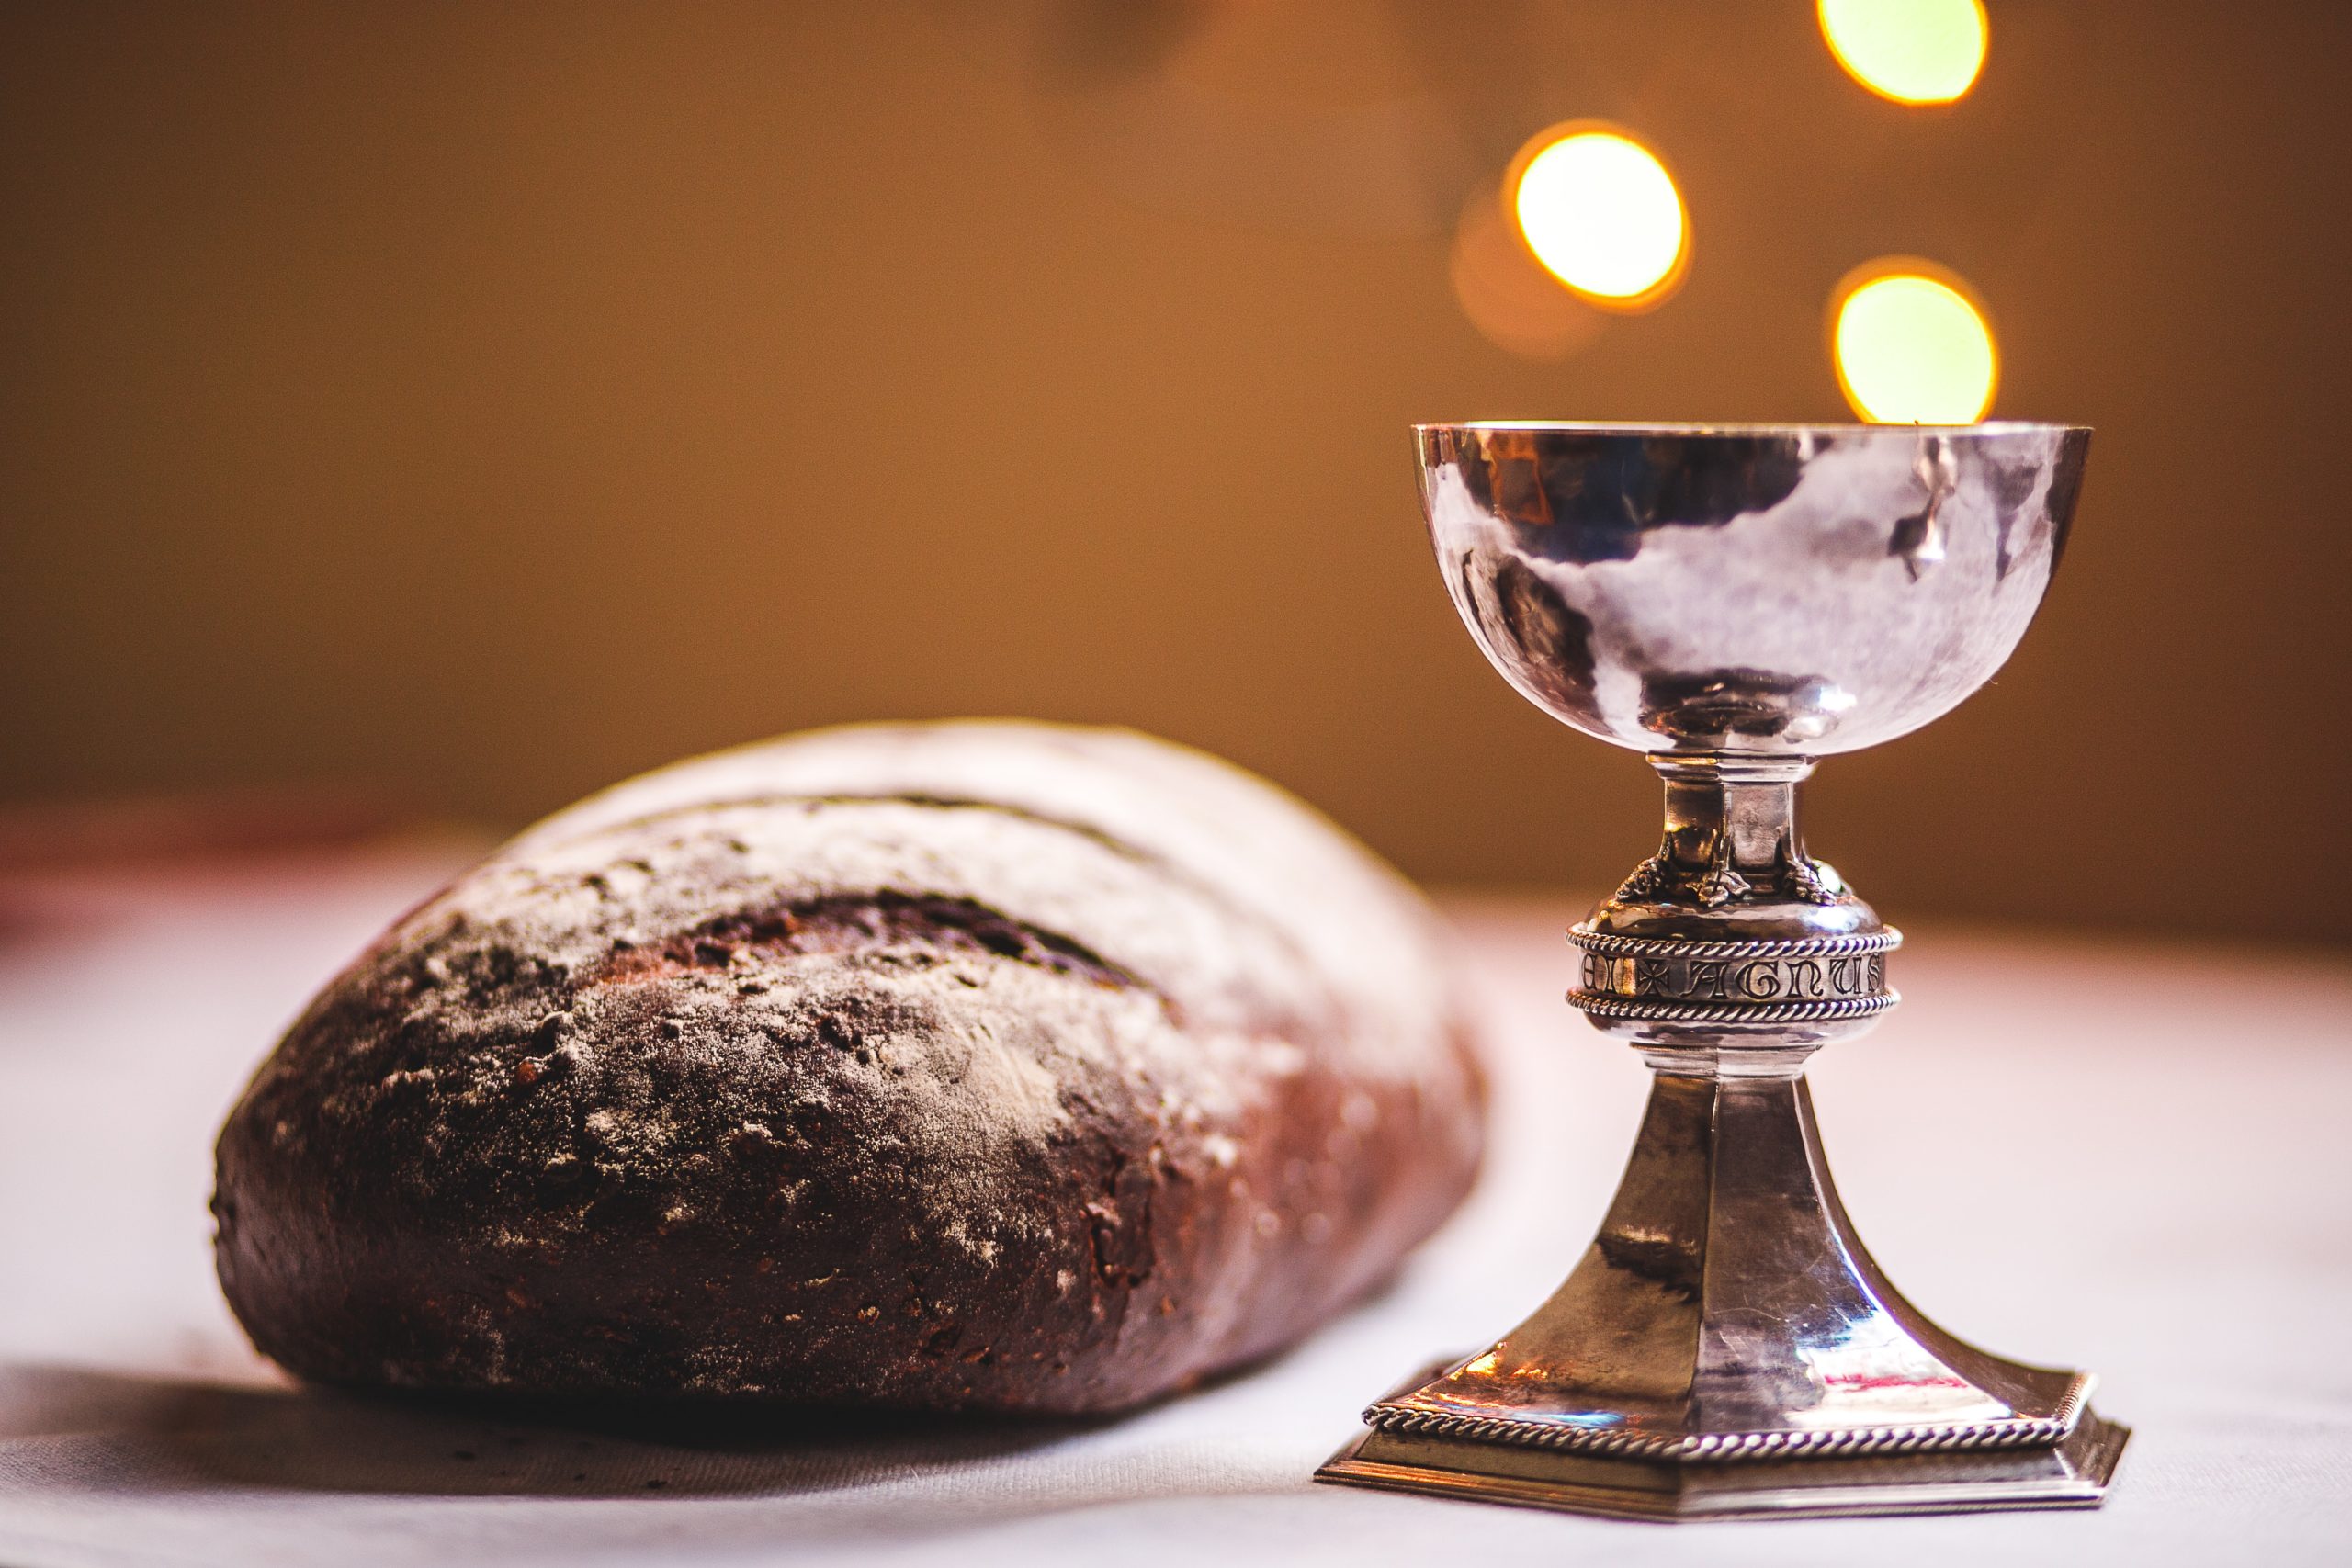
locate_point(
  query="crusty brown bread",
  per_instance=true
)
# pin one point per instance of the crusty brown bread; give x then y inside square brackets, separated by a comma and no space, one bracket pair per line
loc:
[992,1066]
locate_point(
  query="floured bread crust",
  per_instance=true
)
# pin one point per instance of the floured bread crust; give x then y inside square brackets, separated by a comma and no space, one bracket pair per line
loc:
[989,1066]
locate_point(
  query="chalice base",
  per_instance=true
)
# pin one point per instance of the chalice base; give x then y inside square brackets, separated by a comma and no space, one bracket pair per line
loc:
[2071,1475]
[1728,1348]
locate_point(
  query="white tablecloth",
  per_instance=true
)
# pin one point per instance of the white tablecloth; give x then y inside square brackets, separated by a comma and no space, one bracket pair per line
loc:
[2130,1157]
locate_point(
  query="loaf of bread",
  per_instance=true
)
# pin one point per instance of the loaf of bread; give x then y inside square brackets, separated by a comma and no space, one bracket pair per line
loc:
[982,1066]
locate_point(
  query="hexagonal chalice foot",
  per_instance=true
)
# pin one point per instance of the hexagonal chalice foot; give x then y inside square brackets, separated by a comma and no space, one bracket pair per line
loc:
[1736,603]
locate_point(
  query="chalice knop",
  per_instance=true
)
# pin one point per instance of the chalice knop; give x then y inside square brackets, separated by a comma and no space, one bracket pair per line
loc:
[1736,603]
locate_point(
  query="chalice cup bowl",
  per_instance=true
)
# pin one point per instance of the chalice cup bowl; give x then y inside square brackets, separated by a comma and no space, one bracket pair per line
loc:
[1736,603]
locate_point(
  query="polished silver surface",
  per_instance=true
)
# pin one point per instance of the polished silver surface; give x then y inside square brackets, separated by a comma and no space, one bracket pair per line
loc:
[1735,601]
[1757,590]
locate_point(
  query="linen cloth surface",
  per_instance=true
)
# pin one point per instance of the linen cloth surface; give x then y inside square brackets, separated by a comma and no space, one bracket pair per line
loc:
[2126,1156]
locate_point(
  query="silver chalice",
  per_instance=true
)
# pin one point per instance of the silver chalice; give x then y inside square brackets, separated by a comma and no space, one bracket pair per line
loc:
[1736,602]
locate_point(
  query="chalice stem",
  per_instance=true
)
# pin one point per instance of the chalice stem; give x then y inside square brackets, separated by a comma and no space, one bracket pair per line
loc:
[1731,827]
[1728,1311]
[1728,1293]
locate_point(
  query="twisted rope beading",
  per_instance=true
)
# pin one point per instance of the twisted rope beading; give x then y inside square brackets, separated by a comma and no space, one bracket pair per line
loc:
[1605,1005]
[1609,945]
[1720,1447]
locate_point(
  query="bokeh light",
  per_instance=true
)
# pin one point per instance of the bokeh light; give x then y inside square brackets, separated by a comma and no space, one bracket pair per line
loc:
[1911,348]
[1601,214]
[1514,303]
[1914,52]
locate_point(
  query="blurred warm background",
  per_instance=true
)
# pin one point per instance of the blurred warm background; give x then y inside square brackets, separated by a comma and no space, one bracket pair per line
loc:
[445,409]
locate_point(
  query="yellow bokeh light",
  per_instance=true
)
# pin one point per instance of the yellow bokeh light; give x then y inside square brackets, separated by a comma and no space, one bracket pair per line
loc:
[1912,349]
[1601,213]
[1914,52]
